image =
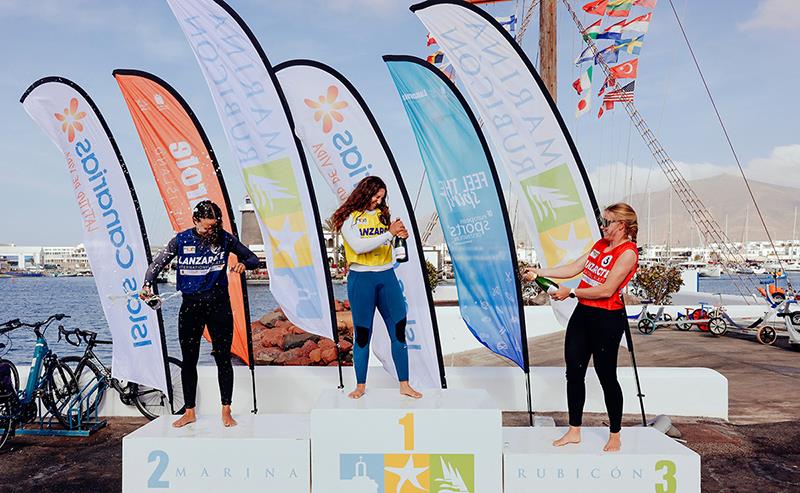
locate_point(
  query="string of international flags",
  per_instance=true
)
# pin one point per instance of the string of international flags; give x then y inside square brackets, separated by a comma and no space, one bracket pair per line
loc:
[627,39]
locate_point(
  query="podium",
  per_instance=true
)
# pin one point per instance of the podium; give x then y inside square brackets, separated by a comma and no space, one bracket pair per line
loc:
[450,440]
[648,461]
[265,453]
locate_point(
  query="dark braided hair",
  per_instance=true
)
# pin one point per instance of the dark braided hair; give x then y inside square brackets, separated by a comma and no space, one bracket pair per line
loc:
[209,210]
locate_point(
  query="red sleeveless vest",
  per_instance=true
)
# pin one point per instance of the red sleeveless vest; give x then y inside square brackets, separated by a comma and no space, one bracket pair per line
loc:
[598,266]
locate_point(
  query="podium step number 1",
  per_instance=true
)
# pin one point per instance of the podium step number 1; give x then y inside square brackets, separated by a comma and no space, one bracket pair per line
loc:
[430,446]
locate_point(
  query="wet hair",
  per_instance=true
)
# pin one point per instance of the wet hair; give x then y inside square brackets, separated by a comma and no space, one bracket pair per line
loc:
[209,210]
[624,212]
[359,200]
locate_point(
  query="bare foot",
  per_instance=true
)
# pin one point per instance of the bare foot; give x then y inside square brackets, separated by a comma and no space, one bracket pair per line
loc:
[360,390]
[613,444]
[573,435]
[188,417]
[406,389]
[227,418]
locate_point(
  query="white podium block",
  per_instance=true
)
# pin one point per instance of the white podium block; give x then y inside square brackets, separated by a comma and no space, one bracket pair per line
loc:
[448,441]
[648,461]
[264,453]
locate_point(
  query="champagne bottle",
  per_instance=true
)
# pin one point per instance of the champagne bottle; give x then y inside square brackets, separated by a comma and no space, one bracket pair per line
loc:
[546,284]
[400,249]
[154,302]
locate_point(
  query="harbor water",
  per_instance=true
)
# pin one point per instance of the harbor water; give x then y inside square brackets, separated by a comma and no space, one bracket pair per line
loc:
[36,298]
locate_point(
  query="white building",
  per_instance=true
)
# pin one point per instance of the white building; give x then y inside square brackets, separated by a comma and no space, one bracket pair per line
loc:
[21,257]
[64,258]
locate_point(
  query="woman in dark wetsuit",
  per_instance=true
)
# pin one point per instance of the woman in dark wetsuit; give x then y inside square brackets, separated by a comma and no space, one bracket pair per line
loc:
[203,253]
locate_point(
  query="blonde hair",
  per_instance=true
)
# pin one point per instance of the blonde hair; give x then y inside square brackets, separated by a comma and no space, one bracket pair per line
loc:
[625,213]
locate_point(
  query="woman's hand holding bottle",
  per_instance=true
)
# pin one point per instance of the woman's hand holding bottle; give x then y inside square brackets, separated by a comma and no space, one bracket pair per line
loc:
[397,228]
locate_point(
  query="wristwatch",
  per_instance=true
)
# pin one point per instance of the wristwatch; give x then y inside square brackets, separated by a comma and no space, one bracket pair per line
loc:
[572,293]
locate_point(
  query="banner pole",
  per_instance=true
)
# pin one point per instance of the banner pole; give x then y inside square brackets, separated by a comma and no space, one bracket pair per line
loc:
[339,360]
[629,340]
[249,330]
[530,397]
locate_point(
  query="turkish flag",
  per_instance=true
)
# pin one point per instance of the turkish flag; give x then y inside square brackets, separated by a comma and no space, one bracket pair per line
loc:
[627,70]
[597,7]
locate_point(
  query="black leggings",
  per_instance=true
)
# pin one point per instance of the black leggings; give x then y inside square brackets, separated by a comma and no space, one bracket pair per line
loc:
[594,333]
[214,311]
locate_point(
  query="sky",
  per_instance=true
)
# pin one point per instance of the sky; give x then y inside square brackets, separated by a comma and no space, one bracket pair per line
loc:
[746,50]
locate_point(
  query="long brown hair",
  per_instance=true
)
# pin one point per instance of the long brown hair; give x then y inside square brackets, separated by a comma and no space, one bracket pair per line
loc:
[359,200]
[625,213]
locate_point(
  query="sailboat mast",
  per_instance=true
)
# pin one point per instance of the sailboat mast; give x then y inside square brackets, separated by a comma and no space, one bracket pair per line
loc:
[547,45]
[669,237]
[746,225]
[649,241]
[726,225]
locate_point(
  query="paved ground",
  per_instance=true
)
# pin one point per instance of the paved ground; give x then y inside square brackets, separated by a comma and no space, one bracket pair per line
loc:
[763,380]
[757,451]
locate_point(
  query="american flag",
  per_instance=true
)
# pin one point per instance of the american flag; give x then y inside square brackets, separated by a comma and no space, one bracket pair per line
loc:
[623,95]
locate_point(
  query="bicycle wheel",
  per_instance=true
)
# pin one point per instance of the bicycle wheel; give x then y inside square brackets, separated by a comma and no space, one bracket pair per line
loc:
[153,403]
[717,326]
[60,387]
[684,326]
[700,314]
[7,423]
[766,335]
[8,399]
[13,376]
[646,326]
[89,382]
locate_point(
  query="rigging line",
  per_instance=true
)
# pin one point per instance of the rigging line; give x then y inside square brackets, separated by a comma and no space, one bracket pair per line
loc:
[526,20]
[730,143]
[419,190]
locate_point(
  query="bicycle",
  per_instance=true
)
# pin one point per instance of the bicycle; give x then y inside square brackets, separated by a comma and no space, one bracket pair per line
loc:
[646,321]
[94,378]
[50,383]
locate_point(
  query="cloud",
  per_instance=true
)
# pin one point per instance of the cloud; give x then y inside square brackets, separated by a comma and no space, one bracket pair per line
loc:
[613,182]
[774,15]
[781,167]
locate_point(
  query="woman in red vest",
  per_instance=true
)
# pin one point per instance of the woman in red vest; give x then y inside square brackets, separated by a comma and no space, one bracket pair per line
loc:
[599,321]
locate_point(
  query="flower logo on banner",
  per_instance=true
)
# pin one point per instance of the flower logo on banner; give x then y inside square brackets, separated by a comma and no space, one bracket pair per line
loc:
[70,119]
[325,108]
